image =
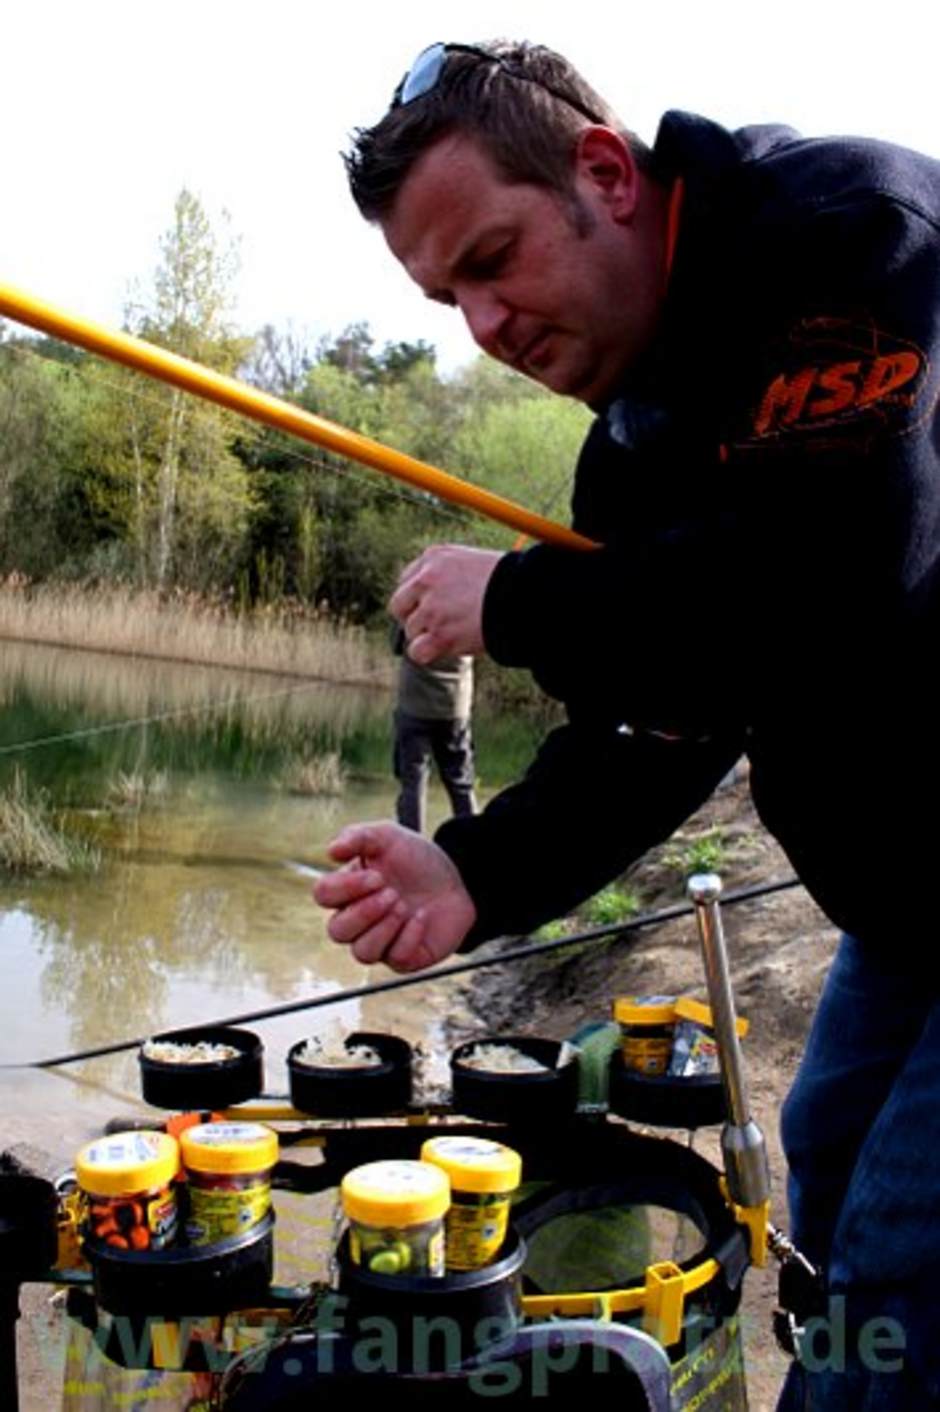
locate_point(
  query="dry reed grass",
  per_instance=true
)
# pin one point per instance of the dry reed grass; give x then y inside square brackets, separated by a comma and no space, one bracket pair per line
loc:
[112,686]
[316,775]
[130,789]
[30,841]
[289,640]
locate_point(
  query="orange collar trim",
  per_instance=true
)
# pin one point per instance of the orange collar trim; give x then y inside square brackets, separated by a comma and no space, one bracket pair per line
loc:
[672,226]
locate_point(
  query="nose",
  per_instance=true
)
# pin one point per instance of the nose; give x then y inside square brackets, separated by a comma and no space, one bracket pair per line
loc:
[486,316]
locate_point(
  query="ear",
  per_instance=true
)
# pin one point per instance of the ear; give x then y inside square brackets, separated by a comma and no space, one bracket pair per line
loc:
[606,169]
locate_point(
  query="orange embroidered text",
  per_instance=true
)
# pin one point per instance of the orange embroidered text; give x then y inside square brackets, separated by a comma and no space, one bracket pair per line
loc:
[817,394]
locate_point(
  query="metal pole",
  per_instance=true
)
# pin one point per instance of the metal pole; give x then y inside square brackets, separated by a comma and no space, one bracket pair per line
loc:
[742,1142]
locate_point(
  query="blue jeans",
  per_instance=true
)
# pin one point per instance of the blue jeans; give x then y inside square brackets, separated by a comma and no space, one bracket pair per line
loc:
[861,1132]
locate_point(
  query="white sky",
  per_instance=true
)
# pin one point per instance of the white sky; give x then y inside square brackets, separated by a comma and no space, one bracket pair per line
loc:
[109,107]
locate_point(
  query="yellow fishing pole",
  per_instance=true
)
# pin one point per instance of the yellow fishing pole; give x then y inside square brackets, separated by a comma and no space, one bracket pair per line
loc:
[273,411]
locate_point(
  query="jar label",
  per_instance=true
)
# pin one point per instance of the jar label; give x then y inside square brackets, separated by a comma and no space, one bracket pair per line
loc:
[227,1134]
[219,1212]
[130,1149]
[476,1229]
[647,1055]
[143,1222]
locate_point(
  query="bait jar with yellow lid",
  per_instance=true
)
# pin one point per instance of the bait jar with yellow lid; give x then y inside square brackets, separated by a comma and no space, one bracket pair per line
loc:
[127,1184]
[646,1031]
[229,1170]
[396,1215]
[483,1175]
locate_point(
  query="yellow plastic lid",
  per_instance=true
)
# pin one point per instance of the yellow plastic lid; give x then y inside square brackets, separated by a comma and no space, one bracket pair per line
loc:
[123,1164]
[645,1009]
[474,1163]
[395,1193]
[229,1147]
[689,1009]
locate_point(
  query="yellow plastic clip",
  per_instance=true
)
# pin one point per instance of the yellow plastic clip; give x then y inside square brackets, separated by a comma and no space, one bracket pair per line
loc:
[756,1221]
[664,1304]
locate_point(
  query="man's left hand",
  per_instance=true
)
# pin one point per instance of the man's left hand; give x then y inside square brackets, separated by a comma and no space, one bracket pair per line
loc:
[439,601]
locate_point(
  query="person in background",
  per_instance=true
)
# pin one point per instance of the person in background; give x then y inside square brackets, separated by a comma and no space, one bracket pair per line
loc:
[433,721]
[754,318]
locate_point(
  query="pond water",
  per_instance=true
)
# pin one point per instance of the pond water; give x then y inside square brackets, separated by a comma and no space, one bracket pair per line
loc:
[201,908]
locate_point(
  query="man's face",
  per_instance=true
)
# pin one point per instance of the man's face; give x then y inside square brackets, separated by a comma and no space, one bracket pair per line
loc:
[562,290]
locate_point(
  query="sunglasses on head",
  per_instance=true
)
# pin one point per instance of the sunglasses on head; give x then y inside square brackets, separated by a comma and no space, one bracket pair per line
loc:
[425,73]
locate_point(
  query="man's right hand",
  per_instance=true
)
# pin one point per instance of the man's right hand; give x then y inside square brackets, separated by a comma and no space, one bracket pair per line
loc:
[399,899]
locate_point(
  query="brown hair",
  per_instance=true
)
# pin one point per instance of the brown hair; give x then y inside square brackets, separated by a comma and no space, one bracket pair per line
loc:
[524,103]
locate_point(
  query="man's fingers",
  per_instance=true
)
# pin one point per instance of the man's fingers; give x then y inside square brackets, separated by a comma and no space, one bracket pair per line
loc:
[425,648]
[405,599]
[374,943]
[410,950]
[355,918]
[346,886]
[362,841]
[351,843]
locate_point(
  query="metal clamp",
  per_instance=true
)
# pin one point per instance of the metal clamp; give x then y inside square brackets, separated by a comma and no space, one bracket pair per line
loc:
[801,1292]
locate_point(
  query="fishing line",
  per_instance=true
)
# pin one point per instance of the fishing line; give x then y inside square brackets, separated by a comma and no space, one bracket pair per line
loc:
[509,957]
[169,714]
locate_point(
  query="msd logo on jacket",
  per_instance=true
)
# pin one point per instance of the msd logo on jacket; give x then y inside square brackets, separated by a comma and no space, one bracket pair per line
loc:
[836,371]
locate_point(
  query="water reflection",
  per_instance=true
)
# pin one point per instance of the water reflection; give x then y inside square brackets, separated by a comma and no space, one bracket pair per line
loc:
[90,714]
[202,907]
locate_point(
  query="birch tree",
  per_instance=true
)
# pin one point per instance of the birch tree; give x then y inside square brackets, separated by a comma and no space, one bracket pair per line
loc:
[191,496]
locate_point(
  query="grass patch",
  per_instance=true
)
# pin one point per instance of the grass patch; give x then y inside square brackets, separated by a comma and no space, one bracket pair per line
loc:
[707,853]
[554,931]
[318,775]
[31,840]
[614,904]
[131,789]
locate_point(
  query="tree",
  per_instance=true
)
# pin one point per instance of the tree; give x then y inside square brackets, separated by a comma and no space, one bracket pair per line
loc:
[278,361]
[351,352]
[45,518]
[397,359]
[524,448]
[187,490]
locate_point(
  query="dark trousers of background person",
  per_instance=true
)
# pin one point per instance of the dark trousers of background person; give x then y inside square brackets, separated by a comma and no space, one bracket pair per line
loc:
[449,743]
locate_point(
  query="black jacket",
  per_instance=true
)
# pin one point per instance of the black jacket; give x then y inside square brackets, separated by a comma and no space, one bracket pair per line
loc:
[767,491]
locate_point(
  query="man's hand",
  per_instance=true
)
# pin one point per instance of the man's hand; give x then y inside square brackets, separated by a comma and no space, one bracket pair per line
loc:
[400,900]
[439,601]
